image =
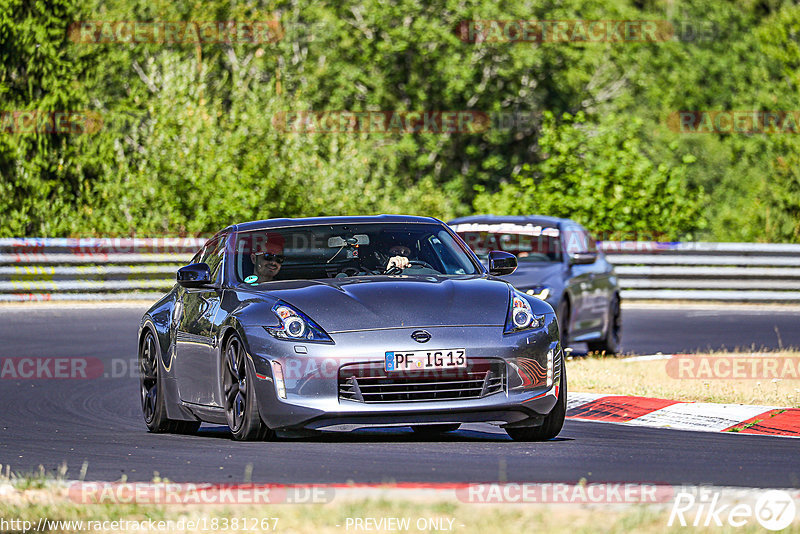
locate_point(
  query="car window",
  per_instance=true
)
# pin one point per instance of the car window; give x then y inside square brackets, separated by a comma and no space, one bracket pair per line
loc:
[334,251]
[212,255]
[576,240]
[442,244]
[591,244]
[533,243]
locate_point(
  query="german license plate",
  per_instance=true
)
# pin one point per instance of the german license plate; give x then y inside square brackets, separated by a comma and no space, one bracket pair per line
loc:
[425,359]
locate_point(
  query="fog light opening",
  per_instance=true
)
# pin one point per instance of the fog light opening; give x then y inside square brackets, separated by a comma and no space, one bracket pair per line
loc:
[550,355]
[277,375]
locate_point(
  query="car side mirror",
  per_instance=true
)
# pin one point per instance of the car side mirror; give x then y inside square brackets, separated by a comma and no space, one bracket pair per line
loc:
[194,275]
[582,258]
[502,263]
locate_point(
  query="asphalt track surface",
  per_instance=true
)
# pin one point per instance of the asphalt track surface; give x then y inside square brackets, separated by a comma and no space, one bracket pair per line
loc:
[98,421]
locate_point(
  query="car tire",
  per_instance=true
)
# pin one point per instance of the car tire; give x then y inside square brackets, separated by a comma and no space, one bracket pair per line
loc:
[432,430]
[154,407]
[562,315]
[239,395]
[553,422]
[611,341]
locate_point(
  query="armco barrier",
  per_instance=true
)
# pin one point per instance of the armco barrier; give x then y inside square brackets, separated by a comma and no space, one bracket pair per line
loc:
[706,271]
[40,269]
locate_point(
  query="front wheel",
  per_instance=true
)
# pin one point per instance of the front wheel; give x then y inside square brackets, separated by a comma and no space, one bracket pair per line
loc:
[241,406]
[553,422]
[154,407]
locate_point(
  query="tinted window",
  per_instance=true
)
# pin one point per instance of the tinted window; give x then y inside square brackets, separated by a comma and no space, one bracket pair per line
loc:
[527,242]
[574,242]
[317,252]
[578,240]
[212,255]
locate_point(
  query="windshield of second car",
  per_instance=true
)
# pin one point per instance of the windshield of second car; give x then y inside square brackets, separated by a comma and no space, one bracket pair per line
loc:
[337,251]
[528,242]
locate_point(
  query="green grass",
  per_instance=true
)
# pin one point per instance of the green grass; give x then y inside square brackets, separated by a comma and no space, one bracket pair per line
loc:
[604,374]
[333,517]
[29,498]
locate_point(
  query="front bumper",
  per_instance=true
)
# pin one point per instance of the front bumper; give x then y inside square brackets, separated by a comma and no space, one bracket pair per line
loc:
[312,382]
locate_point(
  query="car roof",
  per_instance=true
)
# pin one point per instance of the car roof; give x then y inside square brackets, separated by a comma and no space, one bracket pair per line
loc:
[512,219]
[319,221]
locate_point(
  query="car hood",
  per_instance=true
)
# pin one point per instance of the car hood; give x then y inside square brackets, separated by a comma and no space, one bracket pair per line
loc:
[366,303]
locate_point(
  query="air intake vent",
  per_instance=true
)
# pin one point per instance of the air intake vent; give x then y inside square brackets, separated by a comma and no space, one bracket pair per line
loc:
[371,384]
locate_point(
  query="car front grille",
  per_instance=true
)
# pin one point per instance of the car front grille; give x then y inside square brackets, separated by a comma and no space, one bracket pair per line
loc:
[371,384]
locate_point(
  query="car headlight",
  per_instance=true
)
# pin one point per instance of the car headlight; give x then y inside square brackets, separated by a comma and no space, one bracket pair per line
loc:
[296,326]
[520,314]
[540,292]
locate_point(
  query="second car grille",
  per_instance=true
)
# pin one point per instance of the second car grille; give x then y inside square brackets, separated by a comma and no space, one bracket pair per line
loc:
[371,384]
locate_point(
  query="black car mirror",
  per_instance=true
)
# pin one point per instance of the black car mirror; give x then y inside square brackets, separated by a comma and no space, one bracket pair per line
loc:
[582,258]
[502,263]
[194,275]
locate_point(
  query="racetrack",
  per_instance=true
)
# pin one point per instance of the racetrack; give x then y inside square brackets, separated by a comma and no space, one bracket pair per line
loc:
[50,421]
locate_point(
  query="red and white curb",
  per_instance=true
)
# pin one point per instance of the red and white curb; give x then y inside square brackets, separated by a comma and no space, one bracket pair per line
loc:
[702,416]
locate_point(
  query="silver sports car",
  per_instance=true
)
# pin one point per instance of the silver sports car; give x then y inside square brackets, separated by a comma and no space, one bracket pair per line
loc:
[301,325]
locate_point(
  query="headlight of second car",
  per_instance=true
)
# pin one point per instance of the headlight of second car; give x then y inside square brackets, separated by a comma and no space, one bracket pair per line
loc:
[296,326]
[520,314]
[540,292]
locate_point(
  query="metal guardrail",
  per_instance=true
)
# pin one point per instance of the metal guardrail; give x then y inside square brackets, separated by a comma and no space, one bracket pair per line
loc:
[44,269]
[706,271]
[48,269]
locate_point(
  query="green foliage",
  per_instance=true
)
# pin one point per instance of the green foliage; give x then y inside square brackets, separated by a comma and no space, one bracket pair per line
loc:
[600,176]
[189,163]
[42,175]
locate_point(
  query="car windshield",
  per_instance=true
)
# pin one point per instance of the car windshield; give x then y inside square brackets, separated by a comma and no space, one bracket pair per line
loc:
[343,250]
[530,242]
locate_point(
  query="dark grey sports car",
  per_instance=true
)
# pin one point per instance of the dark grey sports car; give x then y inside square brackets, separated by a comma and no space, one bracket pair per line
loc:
[560,264]
[310,324]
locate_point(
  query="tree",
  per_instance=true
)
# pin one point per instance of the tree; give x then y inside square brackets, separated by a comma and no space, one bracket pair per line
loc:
[42,176]
[601,176]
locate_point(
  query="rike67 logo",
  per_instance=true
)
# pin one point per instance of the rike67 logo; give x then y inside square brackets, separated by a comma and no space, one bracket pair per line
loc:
[705,507]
